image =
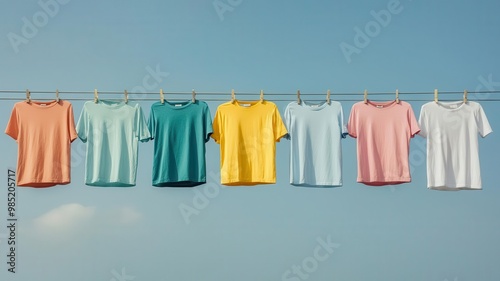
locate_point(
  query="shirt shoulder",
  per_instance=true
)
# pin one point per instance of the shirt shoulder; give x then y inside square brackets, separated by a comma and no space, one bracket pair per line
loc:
[20,105]
[156,104]
[429,105]
[225,106]
[474,105]
[292,104]
[358,105]
[269,104]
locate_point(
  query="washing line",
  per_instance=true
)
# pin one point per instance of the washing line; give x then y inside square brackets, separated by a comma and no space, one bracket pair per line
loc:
[19,95]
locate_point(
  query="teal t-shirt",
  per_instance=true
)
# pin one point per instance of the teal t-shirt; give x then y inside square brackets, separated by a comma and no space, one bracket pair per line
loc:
[112,130]
[180,131]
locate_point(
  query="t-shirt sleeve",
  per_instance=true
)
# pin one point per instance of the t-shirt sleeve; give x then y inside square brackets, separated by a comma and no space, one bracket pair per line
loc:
[142,131]
[352,127]
[343,127]
[412,122]
[422,122]
[82,127]
[483,125]
[71,124]
[279,128]
[288,122]
[13,125]
[207,126]
[216,126]
[152,123]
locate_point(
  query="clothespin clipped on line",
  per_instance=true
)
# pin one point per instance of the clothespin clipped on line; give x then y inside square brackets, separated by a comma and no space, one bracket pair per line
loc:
[465,96]
[162,96]
[233,96]
[435,95]
[365,97]
[328,96]
[298,97]
[397,95]
[57,96]
[126,96]
[261,95]
[96,96]
[28,96]
[193,96]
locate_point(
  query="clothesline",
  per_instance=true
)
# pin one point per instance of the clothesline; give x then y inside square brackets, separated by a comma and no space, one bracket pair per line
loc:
[483,96]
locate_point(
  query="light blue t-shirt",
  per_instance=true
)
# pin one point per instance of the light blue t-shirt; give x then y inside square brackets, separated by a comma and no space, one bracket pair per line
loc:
[180,131]
[315,131]
[112,130]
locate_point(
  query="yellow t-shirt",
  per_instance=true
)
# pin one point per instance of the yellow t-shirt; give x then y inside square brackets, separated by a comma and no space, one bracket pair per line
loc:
[247,132]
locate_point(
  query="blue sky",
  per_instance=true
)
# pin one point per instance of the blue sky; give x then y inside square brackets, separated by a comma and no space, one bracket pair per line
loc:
[405,232]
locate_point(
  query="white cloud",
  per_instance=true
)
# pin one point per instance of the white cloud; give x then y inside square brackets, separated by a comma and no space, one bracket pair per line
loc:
[70,221]
[65,218]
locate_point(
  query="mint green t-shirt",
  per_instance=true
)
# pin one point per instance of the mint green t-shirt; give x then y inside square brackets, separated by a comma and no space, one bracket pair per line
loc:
[180,131]
[112,130]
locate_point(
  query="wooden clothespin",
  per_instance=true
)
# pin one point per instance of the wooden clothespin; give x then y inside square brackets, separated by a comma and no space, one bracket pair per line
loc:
[435,95]
[397,95]
[28,96]
[162,96]
[365,98]
[298,97]
[57,95]
[193,96]
[96,96]
[261,95]
[126,96]
[233,96]
[465,96]
[328,96]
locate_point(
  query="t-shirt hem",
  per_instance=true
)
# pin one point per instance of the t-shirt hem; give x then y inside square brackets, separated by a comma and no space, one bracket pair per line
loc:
[42,184]
[179,183]
[306,184]
[110,184]
[247,182]
[453,188]
[379,182]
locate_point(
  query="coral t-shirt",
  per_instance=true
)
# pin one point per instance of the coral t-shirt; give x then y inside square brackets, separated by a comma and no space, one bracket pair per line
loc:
[383,131]
[44,132]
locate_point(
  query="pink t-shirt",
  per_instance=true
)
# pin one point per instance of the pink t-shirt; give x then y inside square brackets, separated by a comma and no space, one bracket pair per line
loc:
[383,131]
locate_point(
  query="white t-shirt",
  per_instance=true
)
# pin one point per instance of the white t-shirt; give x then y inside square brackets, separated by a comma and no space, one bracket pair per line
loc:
[451,129]
[315,131]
